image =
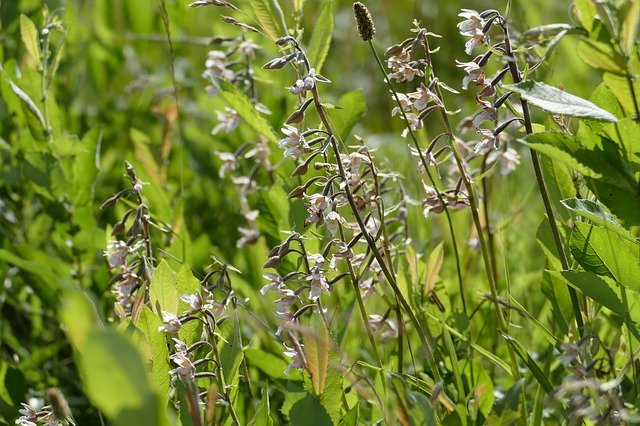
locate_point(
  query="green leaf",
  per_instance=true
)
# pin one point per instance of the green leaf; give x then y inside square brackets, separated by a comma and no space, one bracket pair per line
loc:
[556,101]
[85,169]
[308,411]
[594,287]
[270,17]
[619,85]
[230,349]
[239,102]
[559,183]
[585,13]
[321,37]
[148,324]
[47,281]
[630,24]
[505,410]
[603,252]
[601,56]
[29,34]
[262,416]
[558,147]
[115,378]
[531,364]
[187,284]
[272,365]
[594,212]
[350,109]
[316,350]
[35,119]
[163,290]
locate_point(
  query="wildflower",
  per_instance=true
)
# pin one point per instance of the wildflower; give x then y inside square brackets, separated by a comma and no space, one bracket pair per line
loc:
[333,220]
[489,140]
[116,253]
[430,159]
[474,72]
[285,302]
[194,301]
[297,360]
[171,323]
[249,236]
[399,59]
[294,144]
[316,259]
[185,368]
[247,48]
[509,160]
[414,124]
[276,283]
[305,83]
[366,27]
[388,327]
[319,283]
[432,202]
[406,72]
[488,112]
[227,122]
[473,23]
[217,66]
[367,286]
[29,415]
[405,103]
[230,162]
[316,204]
[422,97]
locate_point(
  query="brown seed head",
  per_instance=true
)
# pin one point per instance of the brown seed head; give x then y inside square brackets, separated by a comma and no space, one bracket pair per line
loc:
[58,403]
[366,28]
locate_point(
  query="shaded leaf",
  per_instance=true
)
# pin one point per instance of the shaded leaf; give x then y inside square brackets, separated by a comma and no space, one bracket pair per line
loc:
[148,324]
[321,37]
[603,252]
[601,56]
[594,212]
[239,102]
[269,16]
[350,109]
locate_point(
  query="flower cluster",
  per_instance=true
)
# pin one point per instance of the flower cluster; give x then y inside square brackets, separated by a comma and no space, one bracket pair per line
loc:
[475,26]
[129,256]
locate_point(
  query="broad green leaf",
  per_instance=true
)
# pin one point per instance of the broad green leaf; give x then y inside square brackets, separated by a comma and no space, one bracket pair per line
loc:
[626,134]
[239,102]
[263,416]
[274,213]
[351,417]
[47,281]
[79,316]
[29,34]
[556,146]
[115,378]
[556,101]
[603,252]
[321,37]
[594,212]
[308,411]
[148,324]
[163,290]
[593,287]
[585,13]
[601,56]
[270,17]
[619,85]
[85,169]
[230,349]
[272,365]
[316,350]
[350,109]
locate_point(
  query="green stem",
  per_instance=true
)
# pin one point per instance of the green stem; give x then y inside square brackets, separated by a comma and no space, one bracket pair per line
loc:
[424,162]
[544,193]
[424,334]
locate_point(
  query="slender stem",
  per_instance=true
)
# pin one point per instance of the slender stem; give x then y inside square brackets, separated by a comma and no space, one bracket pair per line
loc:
[544,193]
[424,334]
[424,162]
[473,205]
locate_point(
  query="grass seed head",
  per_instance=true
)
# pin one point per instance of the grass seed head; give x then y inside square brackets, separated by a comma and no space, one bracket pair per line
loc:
[366,28]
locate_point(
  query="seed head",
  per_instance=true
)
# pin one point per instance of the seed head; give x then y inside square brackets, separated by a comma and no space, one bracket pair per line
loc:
[366,28]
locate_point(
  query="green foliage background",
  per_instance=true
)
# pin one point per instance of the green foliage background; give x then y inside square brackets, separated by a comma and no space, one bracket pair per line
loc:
[112,100]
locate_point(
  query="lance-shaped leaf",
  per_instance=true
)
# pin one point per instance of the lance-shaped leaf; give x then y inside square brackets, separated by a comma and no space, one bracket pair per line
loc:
[556,101]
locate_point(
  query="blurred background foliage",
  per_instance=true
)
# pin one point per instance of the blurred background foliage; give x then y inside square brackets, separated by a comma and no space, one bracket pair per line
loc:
[114,86]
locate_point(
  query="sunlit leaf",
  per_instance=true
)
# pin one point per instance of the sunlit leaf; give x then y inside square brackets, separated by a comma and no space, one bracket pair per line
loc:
[321,37]
[556,101]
